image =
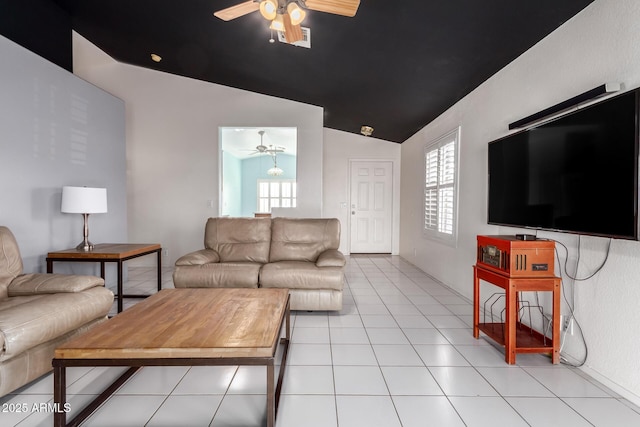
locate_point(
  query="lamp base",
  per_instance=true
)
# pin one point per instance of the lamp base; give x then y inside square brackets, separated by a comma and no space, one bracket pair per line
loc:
[85,246]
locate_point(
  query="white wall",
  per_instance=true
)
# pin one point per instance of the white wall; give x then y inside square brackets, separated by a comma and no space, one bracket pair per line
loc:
[599,45]
[172,135]
[339,149]
[56,130]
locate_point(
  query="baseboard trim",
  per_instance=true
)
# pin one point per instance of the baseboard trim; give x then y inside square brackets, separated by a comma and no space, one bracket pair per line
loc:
[617,388]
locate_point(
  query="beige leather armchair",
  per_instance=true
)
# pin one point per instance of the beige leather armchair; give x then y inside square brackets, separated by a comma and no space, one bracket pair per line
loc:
[300,254]
[40,311]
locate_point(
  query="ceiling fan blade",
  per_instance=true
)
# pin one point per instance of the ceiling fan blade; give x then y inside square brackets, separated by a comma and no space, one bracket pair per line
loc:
[237,11]
[337,7]
[292,33]
[275,149]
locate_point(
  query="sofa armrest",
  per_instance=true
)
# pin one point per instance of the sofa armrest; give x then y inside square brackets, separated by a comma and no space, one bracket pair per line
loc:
[39,283]
[331,258]
[203,256]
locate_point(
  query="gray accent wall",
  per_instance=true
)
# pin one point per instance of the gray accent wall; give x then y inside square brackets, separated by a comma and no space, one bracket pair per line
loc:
[57,129]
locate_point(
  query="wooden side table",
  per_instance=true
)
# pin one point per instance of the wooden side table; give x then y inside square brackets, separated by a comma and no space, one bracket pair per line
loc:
[513,335]
[110,252]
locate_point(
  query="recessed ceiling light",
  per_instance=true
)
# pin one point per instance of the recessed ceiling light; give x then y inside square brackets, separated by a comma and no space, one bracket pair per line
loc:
[156,58]
[366,130]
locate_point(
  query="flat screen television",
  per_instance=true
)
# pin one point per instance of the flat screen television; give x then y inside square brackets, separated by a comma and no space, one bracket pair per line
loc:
[577,174]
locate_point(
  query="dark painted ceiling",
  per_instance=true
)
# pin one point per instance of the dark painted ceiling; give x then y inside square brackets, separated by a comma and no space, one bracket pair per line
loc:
[396,65]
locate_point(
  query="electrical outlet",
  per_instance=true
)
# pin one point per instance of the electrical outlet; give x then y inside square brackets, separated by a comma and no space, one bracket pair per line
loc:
[165,252]
[566,324]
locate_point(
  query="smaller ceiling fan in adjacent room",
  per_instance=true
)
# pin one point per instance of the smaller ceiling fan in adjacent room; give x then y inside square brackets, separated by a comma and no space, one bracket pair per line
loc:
[263,149]
[287,15]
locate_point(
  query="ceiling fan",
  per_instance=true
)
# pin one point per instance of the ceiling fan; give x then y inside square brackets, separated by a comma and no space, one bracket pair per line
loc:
[287,15]
[263,149]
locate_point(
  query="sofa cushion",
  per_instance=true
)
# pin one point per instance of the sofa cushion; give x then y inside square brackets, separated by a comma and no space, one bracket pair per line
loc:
[239,239]
[217,275]
[27,321]
[303,239]
[35,283]
[300,275]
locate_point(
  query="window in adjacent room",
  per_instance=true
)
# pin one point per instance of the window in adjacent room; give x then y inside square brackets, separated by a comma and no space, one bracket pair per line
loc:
[276,194]
[441,187]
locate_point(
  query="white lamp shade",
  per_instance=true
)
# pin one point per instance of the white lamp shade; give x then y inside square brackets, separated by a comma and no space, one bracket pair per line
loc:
[84,200]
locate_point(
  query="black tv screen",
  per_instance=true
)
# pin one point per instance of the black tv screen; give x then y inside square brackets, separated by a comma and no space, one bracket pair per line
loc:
[578,173]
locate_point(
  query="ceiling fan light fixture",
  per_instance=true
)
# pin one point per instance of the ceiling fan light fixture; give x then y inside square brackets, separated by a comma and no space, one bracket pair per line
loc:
[275,171]
[278,23]
[296,14]
[268,9]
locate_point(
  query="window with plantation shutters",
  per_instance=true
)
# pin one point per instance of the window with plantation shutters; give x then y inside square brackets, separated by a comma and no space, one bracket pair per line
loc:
[276,194]
[440,187]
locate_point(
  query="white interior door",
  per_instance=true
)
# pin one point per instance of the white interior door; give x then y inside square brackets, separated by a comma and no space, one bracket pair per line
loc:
[371,206]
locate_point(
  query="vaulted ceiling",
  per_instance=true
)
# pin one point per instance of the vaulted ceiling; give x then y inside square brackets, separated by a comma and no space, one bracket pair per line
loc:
[395,66]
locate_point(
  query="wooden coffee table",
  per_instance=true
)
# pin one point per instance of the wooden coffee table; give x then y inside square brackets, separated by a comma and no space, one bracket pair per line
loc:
[183,327]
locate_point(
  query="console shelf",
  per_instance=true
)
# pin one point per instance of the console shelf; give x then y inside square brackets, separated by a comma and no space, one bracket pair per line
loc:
[515,336]
[527,340]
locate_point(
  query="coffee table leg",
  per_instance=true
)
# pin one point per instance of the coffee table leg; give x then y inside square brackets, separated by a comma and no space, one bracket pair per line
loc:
[288,314]
[120,291]
[284,343]
[271,395]
[59,395]
[159,271]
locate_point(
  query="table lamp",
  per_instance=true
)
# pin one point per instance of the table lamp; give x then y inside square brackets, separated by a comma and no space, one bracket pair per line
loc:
[85,201]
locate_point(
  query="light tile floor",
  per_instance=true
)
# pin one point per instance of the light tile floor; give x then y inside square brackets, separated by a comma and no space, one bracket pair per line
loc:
[400,353]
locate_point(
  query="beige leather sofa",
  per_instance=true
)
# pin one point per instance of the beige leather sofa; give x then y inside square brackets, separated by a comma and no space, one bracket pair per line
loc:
[40,311]
[299,254]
